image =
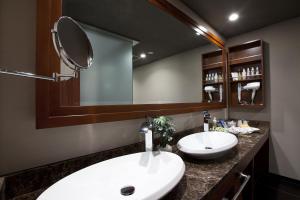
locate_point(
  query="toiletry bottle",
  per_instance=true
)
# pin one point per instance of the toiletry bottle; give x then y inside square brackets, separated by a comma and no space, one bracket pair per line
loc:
[257,70]
[220,77]
[248,71]
[239,123]
[239,75]
[244,74]
[216,77]
[206,79]
[252,71]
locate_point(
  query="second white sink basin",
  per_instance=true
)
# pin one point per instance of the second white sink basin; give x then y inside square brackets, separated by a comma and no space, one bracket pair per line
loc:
[140,176]
[207,145]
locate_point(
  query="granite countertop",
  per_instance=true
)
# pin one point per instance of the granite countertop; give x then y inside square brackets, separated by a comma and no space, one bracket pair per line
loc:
[201,176]
[199,181]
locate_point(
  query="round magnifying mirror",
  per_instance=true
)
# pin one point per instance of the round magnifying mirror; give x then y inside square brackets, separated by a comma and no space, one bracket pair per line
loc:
[72,44]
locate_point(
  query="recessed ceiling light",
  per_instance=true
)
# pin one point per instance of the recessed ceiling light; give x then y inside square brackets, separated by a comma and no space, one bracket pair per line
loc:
[143,55]
[233,17]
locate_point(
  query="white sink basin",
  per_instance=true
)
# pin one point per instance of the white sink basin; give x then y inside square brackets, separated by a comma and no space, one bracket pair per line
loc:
[152,174]
[207,145]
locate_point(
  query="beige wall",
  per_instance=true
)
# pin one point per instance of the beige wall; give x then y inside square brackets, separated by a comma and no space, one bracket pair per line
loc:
[175,79]
[21,145]
[282,92]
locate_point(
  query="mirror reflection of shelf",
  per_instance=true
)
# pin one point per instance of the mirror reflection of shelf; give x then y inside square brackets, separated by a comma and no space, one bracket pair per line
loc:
[213,66]
[249,106]
[212,83]
[247,78]
[213,76]
[246,59]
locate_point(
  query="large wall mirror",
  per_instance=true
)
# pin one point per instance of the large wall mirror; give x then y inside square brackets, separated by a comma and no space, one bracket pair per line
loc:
[146,62]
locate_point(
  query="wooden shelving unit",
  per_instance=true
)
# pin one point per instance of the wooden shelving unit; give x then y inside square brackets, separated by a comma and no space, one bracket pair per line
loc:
[212,83]
[248,55]
[214,62]
[247,79]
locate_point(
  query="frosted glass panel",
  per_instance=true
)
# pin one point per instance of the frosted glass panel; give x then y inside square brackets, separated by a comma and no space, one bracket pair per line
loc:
[109,80]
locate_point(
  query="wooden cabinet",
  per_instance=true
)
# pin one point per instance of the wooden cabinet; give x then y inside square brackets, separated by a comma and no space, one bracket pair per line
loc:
[236,186]
[246,66]
[214,75]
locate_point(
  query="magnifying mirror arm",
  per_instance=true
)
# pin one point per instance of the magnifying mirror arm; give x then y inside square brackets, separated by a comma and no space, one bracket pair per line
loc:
[26,74]
[60,77]
[55,77]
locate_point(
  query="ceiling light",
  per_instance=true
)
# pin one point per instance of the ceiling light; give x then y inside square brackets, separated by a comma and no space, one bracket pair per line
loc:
[143,55]
[233,17]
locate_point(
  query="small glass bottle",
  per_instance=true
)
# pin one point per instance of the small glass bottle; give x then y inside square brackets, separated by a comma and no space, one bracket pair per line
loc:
[244,74]
[216,77]
[239,75]
[248,72]
[257,70]
[220,77]
[252,71]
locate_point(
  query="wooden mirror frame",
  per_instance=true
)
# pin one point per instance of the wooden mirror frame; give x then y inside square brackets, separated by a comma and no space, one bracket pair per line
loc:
[49,112]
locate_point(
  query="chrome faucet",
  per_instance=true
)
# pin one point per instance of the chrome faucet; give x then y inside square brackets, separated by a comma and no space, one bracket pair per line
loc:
[207,117]
[146,129]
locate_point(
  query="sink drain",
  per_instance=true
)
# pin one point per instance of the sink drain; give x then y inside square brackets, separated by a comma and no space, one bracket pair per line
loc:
[208,148]
[127,190]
